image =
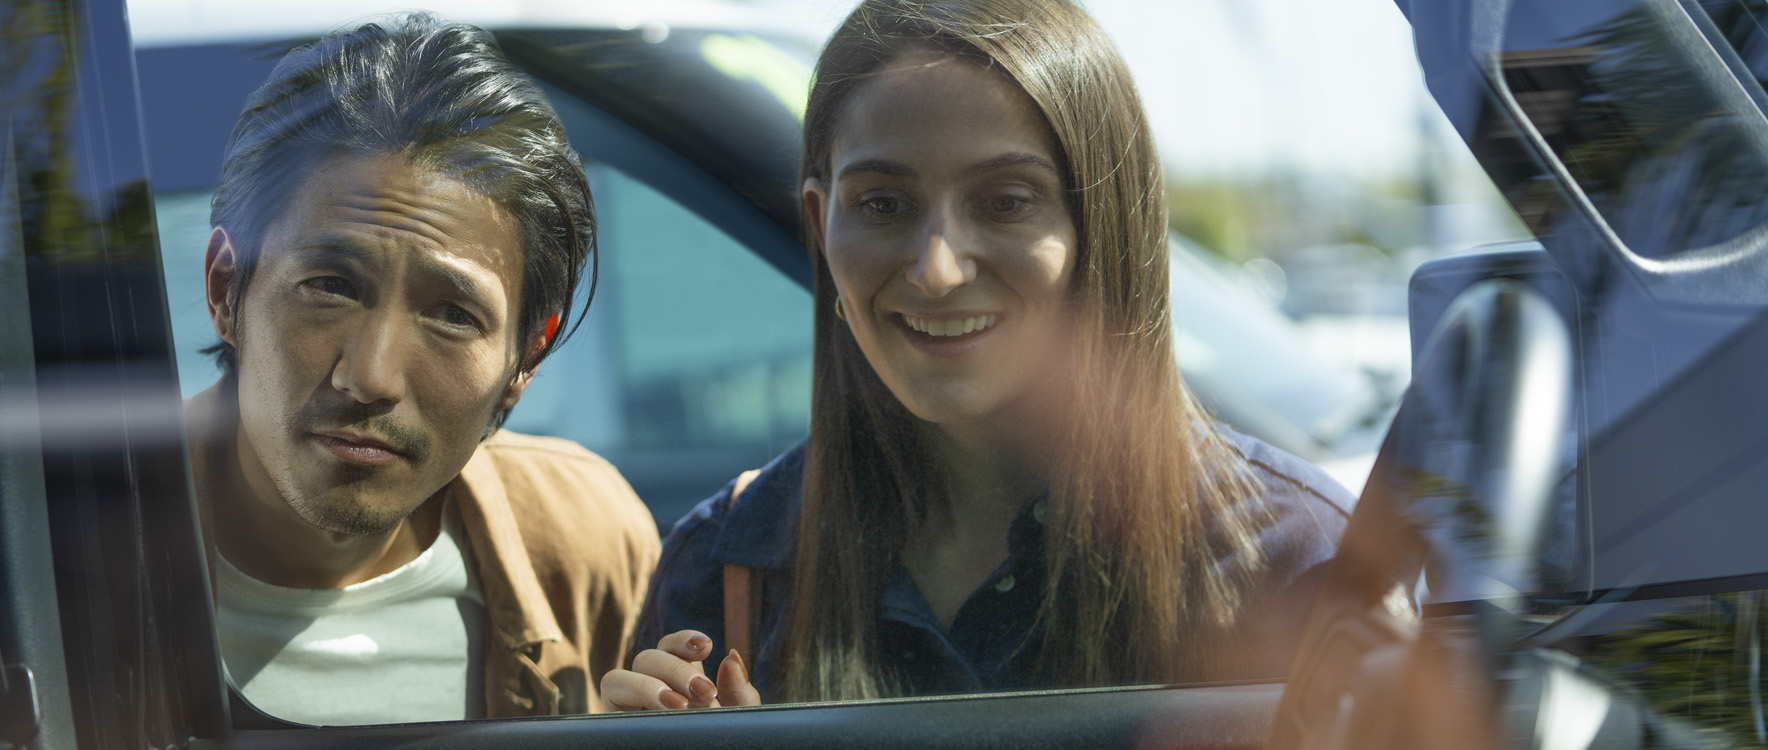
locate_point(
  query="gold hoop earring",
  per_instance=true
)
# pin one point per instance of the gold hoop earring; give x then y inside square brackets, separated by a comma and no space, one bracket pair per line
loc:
[839,315]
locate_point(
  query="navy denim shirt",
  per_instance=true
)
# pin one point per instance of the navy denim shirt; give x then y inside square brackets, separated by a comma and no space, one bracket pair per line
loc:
[991,644]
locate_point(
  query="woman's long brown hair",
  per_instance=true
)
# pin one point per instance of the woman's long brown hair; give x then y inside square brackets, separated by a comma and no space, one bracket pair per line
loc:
[1143,498]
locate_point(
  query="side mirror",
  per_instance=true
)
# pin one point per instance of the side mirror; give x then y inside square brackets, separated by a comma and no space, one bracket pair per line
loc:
[1486,416]
[1463,489]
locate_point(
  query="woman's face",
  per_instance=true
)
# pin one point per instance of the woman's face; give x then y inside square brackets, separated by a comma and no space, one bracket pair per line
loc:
[947,231]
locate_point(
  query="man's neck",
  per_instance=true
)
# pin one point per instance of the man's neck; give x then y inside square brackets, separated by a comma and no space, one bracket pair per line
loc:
[257,531]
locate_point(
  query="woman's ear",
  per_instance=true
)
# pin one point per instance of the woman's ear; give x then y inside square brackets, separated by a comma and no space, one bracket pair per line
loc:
[815,205]
[218,267]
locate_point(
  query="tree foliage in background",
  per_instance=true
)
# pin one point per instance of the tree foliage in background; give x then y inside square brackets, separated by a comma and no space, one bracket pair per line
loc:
[1274,215]
[1695,662]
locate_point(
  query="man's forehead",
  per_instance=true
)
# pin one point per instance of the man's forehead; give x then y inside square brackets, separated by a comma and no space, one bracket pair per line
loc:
[352,208]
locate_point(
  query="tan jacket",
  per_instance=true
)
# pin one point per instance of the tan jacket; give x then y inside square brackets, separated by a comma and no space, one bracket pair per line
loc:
[565,551]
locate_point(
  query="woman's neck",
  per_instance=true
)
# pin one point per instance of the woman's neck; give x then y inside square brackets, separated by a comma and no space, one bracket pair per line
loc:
[962,538]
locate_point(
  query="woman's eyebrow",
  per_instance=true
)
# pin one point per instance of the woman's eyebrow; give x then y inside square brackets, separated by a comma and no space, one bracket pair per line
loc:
[1012,160]
[877,166]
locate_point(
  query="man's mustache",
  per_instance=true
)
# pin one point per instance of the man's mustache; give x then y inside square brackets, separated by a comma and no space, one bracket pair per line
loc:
[371,419]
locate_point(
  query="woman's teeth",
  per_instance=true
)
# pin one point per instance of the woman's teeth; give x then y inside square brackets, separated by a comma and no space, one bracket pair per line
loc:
[956,327]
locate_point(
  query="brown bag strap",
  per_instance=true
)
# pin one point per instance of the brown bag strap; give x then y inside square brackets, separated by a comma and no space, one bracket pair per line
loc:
[739,616]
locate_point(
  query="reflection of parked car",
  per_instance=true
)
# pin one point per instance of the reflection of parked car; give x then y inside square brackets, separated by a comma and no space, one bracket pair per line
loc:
[1578,467]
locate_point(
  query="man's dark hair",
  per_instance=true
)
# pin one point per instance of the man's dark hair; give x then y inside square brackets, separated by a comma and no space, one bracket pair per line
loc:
[443,96]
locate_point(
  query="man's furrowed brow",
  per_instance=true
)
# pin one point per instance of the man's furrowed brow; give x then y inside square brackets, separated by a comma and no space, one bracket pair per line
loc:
[884,167]
[330,249]
[463,285]
[340,252]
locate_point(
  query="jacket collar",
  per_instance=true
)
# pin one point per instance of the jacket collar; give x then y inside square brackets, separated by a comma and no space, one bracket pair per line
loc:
[761,530]
[517,605]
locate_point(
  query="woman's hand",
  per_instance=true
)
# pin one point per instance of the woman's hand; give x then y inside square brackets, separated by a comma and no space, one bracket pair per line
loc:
[670,676]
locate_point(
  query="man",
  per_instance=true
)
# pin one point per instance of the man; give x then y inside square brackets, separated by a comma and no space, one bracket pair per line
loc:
[397,237]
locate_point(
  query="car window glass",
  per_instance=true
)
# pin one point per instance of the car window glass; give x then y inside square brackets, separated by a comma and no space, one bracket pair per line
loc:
[1739,22]
[693,364]
[1665,146]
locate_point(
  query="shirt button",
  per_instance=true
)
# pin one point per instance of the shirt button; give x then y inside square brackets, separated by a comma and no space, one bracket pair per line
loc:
[1005,584]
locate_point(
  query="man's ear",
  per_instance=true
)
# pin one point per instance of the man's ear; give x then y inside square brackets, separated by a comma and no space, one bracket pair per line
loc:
[218,268]
[816,200]
[517,387]
[519,384]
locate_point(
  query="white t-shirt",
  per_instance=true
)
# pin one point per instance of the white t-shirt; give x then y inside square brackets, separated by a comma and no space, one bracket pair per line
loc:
[406,646]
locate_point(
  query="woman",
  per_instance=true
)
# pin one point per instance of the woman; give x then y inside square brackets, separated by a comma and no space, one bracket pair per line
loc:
[1006,484]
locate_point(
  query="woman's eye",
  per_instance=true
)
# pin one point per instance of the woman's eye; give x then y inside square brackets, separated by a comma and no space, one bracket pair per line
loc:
[336,286]
[1006,205]
[884,206]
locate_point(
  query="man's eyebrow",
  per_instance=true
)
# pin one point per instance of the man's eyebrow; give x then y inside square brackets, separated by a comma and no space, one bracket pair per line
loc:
[462,284]
[335,250]
[329,249]
[1012,160]
[884,167]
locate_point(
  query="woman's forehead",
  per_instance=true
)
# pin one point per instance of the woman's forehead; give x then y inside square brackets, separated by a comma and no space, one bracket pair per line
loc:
[927,105]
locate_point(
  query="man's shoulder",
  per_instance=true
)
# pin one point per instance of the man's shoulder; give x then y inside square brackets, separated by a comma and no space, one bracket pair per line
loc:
[515,447]
[554,478]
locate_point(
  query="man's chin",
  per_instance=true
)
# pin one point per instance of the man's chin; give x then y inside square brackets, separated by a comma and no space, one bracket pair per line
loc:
[347,518]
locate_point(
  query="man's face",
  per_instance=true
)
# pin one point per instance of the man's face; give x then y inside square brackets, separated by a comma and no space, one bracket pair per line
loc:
[375,340]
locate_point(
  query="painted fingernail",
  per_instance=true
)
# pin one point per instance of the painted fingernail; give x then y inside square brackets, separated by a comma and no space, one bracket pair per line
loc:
[671,699]
[700,643]
[741,667]
[702,688]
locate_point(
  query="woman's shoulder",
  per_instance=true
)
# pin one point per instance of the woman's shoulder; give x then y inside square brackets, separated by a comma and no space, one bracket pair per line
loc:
[759,529]
[1301,510]
[1288,482]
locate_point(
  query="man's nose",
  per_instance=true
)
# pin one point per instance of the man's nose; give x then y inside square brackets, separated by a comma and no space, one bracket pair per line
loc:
[942,262]
[371,366]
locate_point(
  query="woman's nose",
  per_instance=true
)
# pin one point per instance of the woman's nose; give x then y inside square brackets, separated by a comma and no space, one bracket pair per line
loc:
[371,365]
[941,263]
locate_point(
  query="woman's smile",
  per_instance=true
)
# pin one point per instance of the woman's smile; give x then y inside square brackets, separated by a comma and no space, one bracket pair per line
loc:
[944,337]
[950,326]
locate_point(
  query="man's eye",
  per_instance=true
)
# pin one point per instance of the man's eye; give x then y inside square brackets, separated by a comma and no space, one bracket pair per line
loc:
[333,285]
[455,315]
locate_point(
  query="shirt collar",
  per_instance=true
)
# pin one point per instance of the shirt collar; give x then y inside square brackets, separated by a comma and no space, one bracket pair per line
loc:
[761,530]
